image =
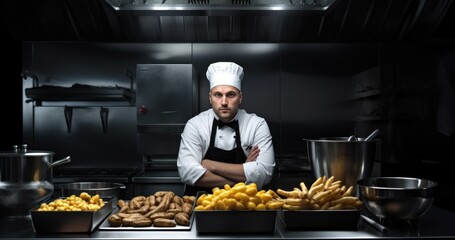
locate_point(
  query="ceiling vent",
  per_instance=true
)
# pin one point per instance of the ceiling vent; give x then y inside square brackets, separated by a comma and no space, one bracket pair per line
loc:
[218,7]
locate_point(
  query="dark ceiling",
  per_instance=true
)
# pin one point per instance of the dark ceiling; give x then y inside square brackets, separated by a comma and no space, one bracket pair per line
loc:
[345,21]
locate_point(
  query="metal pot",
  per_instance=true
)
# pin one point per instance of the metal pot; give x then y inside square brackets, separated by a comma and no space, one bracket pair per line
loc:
[26,179]
[106,190]
[346,160]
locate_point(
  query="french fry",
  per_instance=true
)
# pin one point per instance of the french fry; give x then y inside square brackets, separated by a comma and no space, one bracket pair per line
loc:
[334,187]
[343,189]
[336,207]
[300,193]
[329,197]
[345,200]
[325,206]
[325,194]
[272,193]
[293,208]
[288,194]
[338,182]
[316,206]
[304,188]
[315,189]
[328,182]
[317,182]
[296,201]
[318,196]
[348,192]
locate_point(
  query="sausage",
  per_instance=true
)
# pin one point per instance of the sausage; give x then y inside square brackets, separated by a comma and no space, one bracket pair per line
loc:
[178,200]
[120,203]
[164,222]
[189,199]
[142,222]
[114,220]
[167,215]
[188,208]
[182,218]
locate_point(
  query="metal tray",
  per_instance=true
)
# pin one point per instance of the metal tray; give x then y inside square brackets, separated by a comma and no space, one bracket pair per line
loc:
[105,226]
[243,221]
[69,221]
[320,219]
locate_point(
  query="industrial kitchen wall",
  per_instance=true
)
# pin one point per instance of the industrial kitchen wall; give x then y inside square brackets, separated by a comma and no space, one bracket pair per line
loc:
[297,88]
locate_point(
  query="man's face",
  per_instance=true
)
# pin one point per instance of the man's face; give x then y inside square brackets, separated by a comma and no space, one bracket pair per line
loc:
[225,101]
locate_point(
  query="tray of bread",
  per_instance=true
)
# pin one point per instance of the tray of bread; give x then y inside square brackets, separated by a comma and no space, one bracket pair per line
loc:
[163,210]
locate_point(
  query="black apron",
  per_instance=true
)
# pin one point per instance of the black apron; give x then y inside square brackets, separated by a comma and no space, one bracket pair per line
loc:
[235,155]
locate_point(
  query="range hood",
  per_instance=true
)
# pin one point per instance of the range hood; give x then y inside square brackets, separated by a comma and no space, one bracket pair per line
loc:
[216,21]
[219,7]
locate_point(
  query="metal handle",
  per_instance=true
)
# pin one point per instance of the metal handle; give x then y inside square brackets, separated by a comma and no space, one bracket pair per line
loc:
[375,224]
[60,162]
[373,135]
[352,138]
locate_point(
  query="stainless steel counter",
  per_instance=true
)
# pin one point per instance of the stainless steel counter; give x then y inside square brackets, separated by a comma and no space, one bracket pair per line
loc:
[437,223]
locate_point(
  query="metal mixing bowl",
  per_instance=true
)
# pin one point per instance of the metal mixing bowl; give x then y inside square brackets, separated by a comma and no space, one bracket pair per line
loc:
[106,190]
[347,161]
[397,197]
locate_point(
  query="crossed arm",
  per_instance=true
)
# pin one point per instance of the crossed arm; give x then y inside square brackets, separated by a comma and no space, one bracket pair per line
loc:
[220,173]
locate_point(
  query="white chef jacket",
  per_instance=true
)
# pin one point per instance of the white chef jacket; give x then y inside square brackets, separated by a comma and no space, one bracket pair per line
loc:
[195,142]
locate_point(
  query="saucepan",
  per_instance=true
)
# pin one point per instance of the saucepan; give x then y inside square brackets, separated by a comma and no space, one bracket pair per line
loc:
[26,179]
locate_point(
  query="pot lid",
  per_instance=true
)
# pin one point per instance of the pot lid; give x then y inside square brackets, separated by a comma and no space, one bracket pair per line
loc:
[24,152]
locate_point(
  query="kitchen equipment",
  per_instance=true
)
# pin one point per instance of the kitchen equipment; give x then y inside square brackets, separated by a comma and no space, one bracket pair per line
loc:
[106,226]
[231,221]
[400,198]
[373,135]
[370,137]
[106,190]
[321,219]
[69,221]
[347,161]
[26,179]
[374,224]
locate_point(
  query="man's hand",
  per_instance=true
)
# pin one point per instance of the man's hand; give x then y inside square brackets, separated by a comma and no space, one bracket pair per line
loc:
[253,155]
[232,171]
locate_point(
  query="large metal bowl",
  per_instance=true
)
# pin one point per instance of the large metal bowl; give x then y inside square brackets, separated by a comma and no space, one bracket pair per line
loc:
[106,190]
[347,161]
[399,198]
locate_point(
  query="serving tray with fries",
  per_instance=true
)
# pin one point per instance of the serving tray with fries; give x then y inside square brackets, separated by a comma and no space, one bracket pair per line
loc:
[328,203]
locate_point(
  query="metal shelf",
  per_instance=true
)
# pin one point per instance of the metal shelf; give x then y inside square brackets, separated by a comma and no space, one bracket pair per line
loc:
[46,93]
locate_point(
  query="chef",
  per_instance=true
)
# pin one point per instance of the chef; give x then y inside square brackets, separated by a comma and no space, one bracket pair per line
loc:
[225,144]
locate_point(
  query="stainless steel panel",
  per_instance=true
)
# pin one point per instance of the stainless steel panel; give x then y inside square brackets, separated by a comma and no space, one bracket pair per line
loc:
[87,143]
[158,143]
[166,93]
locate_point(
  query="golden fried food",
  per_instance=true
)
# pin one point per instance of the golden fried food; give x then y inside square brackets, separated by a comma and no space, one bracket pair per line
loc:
[241,196]
[324,194]
[84,202]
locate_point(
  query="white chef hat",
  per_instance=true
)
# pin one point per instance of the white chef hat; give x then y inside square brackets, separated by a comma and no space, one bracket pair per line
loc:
[225,73]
